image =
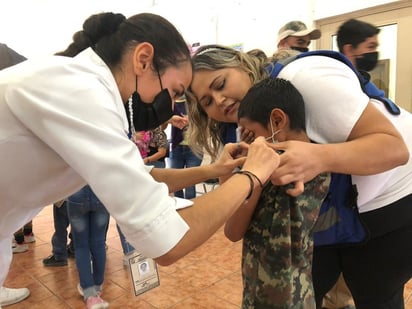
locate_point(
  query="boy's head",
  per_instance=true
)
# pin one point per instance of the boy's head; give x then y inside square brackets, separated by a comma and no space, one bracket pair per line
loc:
[358,41]
[272,106]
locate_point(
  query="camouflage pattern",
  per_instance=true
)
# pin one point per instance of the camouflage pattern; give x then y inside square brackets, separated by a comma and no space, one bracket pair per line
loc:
[278,248]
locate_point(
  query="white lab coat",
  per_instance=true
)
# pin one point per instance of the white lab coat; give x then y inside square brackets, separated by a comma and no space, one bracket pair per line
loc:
[62,125]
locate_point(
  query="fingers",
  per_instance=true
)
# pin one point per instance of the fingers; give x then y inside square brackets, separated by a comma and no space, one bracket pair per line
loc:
[247,136]
[298,189]
[261,160]
[278,147]
[239,161]
[237,149]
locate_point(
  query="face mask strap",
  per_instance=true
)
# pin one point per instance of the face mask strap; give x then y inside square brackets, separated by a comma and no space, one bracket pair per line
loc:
[160,80]
[272,137]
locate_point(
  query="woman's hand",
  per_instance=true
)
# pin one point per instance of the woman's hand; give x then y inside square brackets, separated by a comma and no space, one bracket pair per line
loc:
[179,121]
[232,156]
[299,163]
[261,159]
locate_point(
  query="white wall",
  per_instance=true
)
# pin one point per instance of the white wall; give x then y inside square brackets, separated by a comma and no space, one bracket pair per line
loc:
[37,27]
[323,8]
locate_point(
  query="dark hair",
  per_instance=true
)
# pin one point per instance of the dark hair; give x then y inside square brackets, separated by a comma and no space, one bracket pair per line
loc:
[354,32]
[272,93]
[110,35]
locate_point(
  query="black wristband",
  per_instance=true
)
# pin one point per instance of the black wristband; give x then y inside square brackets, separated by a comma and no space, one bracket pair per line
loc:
[252,185]
[253,175]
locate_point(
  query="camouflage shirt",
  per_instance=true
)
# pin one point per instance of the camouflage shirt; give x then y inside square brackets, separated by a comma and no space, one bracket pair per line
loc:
[278,248]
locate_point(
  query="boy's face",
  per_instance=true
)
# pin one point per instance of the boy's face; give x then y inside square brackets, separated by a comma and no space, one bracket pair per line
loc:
[255,127]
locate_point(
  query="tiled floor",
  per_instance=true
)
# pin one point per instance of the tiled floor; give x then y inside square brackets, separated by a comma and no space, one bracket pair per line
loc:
[208,278]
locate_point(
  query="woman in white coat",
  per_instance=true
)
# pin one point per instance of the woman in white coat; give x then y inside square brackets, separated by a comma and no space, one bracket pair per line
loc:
[64,123]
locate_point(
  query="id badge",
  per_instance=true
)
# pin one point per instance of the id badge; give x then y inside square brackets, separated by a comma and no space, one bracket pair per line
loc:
[144,273]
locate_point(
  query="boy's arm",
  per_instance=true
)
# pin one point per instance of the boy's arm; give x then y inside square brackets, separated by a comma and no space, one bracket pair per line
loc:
[236,226]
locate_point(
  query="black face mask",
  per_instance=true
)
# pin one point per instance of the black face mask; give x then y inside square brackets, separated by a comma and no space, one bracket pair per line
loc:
[367,62]
[301,49]
[148,116]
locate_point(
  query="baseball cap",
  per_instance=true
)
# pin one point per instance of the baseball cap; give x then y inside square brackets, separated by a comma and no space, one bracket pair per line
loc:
[297,28]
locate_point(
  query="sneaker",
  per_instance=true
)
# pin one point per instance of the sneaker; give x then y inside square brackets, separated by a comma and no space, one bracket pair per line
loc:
[52,261]
[11,296]
[29,238]
[95,302]
[19,248]
[99,289]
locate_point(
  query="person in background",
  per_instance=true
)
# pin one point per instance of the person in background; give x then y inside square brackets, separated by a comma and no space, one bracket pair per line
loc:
[72,113]
[277,229]
[158,148]
[60,249]
[181,156]
[295,35]
[89,221]
[358,41]
[347,133]
[22,237]
[9,296]
[142,140]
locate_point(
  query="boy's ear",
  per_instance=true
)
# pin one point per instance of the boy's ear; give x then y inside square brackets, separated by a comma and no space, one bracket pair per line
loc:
[279,118]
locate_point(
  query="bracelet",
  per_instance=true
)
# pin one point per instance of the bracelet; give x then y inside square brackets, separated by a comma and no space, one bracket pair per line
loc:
[253,175]
[252,185]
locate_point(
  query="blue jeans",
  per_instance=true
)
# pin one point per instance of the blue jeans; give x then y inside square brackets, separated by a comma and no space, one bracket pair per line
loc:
[89,221]
[126,246]
[59,238]
[157,164]
[180,157]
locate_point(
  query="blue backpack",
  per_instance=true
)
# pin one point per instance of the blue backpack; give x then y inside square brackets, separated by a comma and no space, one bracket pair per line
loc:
[339,222]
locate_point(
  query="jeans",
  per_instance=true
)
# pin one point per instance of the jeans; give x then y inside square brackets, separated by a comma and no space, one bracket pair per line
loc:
[126,246]
[158,164]
[89,221]
[180,157]
[59,238]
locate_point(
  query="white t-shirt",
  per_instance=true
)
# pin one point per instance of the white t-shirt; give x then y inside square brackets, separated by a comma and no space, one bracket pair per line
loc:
[334,101]
[62,125]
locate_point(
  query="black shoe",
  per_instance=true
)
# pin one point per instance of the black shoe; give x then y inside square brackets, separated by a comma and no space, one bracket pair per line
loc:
[51,261]
[70,251]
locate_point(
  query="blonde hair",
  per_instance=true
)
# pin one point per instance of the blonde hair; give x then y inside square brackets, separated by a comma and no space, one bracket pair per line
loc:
[283,53]
[205,134]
